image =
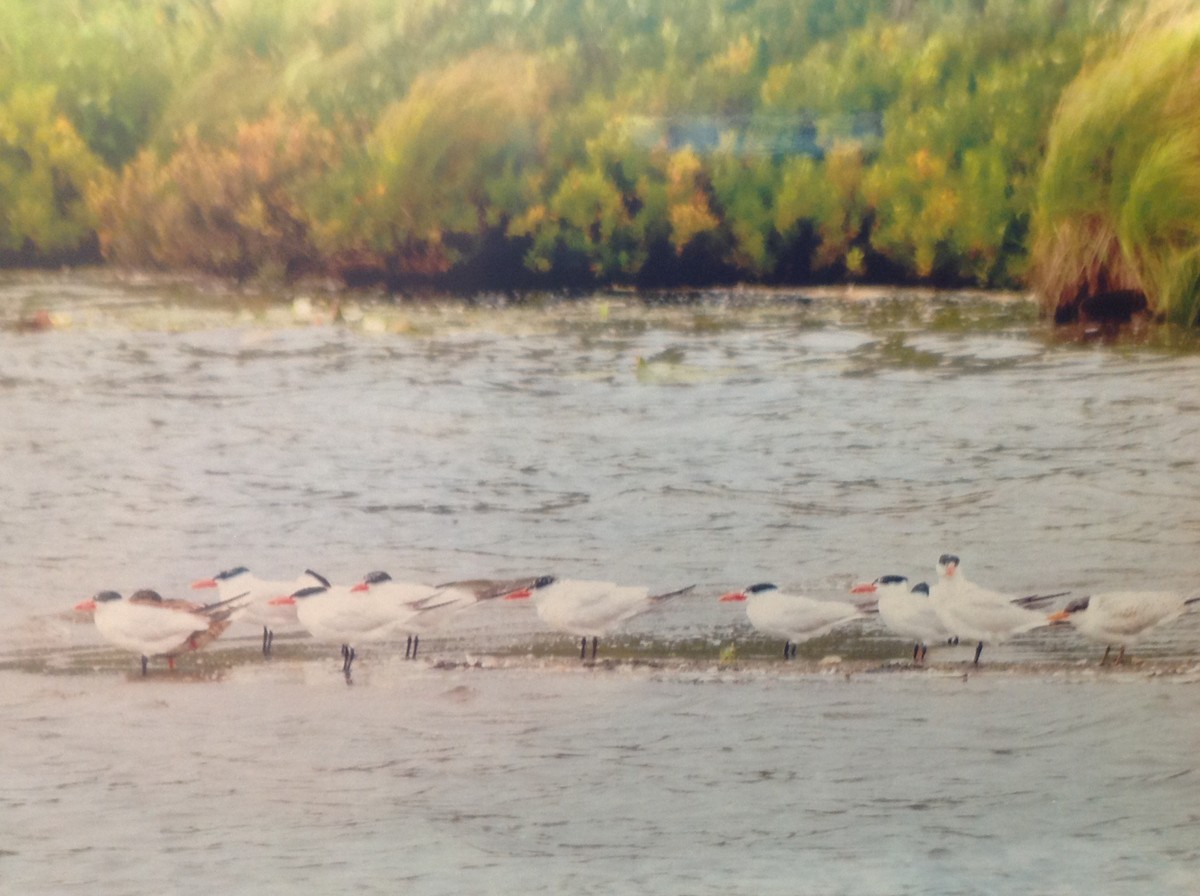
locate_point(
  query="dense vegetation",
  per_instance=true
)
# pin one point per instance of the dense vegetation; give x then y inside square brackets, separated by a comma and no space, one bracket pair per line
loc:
[515,143]
[1118,209]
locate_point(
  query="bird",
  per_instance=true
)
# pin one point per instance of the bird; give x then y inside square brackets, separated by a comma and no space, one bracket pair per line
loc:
[1121,617]
[444,599]
[906,611]
[151,626]
[259,592]
[975,613]
[588,609]
[793,617]
[349,615]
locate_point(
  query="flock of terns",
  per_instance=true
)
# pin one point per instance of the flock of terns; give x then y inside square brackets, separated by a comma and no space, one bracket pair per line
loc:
[379,608]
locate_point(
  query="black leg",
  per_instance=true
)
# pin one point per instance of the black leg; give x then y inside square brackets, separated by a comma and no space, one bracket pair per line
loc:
[916,650]
[1107,651]
[978,650]
[416,644]
[145,662]
[924,650]
[1120,656]
[583,648]
[408,647]
[787,650]
[595,644]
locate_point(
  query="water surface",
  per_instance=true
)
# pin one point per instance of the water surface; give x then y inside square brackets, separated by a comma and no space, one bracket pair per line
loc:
[158,434]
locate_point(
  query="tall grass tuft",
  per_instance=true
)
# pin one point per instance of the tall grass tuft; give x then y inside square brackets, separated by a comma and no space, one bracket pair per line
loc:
[1118,204]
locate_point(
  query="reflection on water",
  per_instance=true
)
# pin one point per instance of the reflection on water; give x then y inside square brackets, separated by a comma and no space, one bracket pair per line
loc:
[154,438]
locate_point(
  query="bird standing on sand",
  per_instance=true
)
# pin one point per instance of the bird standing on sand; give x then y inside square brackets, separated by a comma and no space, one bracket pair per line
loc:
[793,617]
[150,626]
[975,613]
[257,608]
[907,612]
[437,601]
[588,609]
[350,615]
[1122,617]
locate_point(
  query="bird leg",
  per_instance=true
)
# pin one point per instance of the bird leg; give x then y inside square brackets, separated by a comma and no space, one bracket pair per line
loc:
[583,648]
[416,643]
[347,658]
[978,650]
[1120,656]
[916,651]
[924,650]
[408,647]
[1104,659]
[595,644]
[268,637]
[145,662]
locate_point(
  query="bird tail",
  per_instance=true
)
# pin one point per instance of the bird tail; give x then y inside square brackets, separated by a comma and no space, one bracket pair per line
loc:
[446,595]
[218,615]
[1036,600]
[221,610]
[487,589]
[667,595]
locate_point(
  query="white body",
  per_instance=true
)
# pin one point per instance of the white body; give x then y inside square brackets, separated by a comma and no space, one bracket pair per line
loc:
[589,609]
[146,629]
[257,610]
[343,616]
[978,614]
[910,614]
[1120,617]
[421,608]
[796,618]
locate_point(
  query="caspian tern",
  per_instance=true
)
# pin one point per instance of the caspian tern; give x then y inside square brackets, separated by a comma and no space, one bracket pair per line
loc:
[348,616]
[435,603]
[976,613]
[151,626]
[1121,617]
[588,609]
[793,617]
[258,608]
[906,611]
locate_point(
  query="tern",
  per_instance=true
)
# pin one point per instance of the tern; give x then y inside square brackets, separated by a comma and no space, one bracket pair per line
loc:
[975,613]
[1121,617]
[907,612]
[589,609]
[437,602]
[350,615]
[150,626]
[259,593]
[793,617]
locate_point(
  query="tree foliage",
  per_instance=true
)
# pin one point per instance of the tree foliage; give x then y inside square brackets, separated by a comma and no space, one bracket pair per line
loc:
[1119,195]
[45,171]
[639,141]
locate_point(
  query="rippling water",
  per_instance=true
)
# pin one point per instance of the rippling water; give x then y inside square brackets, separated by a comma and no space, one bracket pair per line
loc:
[158,435]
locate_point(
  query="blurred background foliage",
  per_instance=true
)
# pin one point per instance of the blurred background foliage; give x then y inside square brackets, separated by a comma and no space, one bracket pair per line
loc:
[542,143]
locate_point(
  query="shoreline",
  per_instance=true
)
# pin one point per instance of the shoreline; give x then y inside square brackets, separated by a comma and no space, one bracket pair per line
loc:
[215,665]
